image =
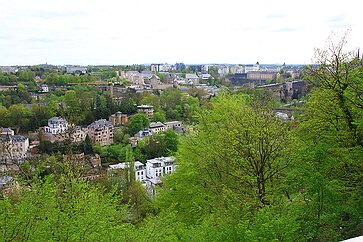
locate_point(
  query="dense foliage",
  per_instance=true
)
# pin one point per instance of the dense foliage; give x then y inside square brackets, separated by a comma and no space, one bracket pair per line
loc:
[62,208]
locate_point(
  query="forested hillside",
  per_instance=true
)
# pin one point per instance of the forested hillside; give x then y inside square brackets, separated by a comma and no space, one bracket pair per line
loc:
[243,175]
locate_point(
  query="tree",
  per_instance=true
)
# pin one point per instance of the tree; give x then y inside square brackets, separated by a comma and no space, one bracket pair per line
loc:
[25,75]
[63,208]
[138,122]
[159,116]
[134,193]
[4,117]
[128,106]
[337,79]
[40,116]
[330,155]
[71,106]
[20,116]
[232,163]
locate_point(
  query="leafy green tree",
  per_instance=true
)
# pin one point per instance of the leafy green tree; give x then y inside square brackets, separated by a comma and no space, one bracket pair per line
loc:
[338,80]
[138,122]
[121,136]
[150,99]
[128,105]
[134,193]
[20,117]
[4,117]
[169,140]
[331,147]
[159,116]
[63,208]
[162,77]
[101,110]
[25,75]
[232,164]
[40,116]
[7,78]
[71,106]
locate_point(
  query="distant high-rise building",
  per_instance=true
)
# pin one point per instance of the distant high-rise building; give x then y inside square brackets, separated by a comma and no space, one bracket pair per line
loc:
[155,67]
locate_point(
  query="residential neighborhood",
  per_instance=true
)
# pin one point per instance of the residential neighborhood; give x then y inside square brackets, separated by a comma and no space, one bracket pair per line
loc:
[154,137]
[97,105]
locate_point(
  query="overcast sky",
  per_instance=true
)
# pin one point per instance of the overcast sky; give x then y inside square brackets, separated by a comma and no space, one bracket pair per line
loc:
[89,32]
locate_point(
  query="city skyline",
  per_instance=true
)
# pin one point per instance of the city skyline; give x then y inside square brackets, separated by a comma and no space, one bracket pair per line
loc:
[194,32]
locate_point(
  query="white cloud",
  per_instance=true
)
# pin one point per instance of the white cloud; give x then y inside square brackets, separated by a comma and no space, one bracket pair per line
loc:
[192,31]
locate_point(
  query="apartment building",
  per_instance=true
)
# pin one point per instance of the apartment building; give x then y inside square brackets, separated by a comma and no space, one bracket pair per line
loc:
[101,132]
[118,119]
[158,167]
[147,109]
[13,148]
[56,125]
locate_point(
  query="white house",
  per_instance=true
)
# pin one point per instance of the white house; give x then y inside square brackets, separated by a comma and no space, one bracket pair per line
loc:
[44,88]
[158,167]
[155,169]
[140,169]
[56,125]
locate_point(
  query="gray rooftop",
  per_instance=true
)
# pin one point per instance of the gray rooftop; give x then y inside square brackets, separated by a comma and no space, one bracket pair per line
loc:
[156,124]
[191,76]
[144,132]
[57,120]
[101,123]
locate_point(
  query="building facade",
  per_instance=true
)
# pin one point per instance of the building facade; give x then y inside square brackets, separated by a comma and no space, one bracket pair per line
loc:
[44,88]
[147,109]
[192,79]
[101,132]
[158,167]
[157,127]
[13,148]
[261,75]
[56,125]
[255,67]
[118,119]
[139,169]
